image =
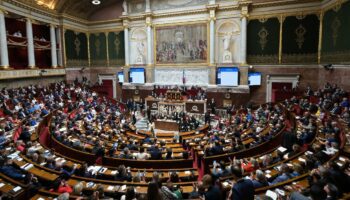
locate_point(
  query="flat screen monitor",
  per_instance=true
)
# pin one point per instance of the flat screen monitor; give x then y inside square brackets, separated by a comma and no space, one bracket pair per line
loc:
[254,78]
[227,76]
[121,77]
[137,75]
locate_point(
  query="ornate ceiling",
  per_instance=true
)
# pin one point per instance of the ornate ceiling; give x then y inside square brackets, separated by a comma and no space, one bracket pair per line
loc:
[84,9]
[78,8]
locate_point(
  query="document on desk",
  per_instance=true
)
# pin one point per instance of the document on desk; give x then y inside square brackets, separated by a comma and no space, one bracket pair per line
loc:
[16,189]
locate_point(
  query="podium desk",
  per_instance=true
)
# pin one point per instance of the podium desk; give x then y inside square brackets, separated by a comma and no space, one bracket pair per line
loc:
[167,125]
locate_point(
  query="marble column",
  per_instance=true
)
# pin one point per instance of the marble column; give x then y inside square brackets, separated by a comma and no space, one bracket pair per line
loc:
[126,74]
[244,39]
[53,46]
[149,44]
[3,43]
[126,40]
[60,48]
[212,42]
[31,53]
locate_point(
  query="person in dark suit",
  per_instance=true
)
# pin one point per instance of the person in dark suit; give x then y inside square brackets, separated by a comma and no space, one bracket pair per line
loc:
[207,118]
[243,189]
[212,191]
[9,170]
[217,148]
[212,106]
[289,139]
[156,154]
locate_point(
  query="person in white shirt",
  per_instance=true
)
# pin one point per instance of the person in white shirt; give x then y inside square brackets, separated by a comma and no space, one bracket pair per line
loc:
[142,155]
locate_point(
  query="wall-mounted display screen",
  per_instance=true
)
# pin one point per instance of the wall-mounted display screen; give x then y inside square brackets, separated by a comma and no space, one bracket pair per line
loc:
[137,75]
[254,78]
[227,76]
[120,77]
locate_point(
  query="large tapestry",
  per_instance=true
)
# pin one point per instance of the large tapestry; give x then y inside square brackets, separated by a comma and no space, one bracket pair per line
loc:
[300,39]
[76,48]
[181,44]
[336,31]
[263,41]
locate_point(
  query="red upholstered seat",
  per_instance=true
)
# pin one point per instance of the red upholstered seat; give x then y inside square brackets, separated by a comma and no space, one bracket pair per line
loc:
[17,134]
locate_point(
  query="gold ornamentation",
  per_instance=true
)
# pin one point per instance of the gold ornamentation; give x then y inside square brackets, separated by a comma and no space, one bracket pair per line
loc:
[336,57]
[335,28]
[300,32]
[263,33]
[77,45]
[307,58]
[77,63]
[263,20]
[337,6]
[97,46]
[262,59]
[117,44]
[300,16]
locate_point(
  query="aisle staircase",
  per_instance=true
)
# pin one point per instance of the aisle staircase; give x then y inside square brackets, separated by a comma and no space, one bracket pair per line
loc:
[142,124]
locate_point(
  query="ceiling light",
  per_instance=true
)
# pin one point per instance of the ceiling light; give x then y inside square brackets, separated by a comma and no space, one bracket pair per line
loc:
[96,2]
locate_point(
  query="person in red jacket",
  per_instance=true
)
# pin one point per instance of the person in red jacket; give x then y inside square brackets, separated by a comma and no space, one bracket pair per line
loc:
[64,187]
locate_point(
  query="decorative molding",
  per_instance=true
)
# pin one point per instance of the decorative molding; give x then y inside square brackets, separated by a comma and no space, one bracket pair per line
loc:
[262,59]
[299,58]
[263,33]
[300,31]
[13,74]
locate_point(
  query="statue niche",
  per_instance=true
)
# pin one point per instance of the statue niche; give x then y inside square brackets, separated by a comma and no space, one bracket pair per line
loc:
[138,46]
[228,42]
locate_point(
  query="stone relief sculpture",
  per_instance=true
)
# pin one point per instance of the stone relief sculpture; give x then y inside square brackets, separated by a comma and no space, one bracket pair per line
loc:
[148,6]
[166,76]
[228,40]
[227,55]
[125,7]
[171,4]
[211,2]
[140,52]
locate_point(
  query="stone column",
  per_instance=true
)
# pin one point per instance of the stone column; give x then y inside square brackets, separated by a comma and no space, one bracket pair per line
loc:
[148,6]
[31,53]
[60,48]
[149,41]
[244,39]
[212,42]
[126,40]
[53,46]
[126,74]
[211,8]
[3,43]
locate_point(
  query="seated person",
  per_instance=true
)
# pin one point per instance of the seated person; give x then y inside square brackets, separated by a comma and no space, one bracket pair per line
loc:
[123,174]
[9,170]
[284,174]
[156,154]
[217,148]
[260,179]
[3,140]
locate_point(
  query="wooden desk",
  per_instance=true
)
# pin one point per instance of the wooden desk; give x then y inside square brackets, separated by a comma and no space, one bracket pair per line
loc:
[166,125]
[197,107]
[7,188]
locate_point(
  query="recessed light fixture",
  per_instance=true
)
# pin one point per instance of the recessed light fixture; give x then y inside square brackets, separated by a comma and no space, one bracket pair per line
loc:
[96,2]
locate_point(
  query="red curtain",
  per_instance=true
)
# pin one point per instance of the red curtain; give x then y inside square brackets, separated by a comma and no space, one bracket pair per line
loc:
[14,25]
[43,58]
[279,86]
[18,57]
[281,91]
[108,87]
